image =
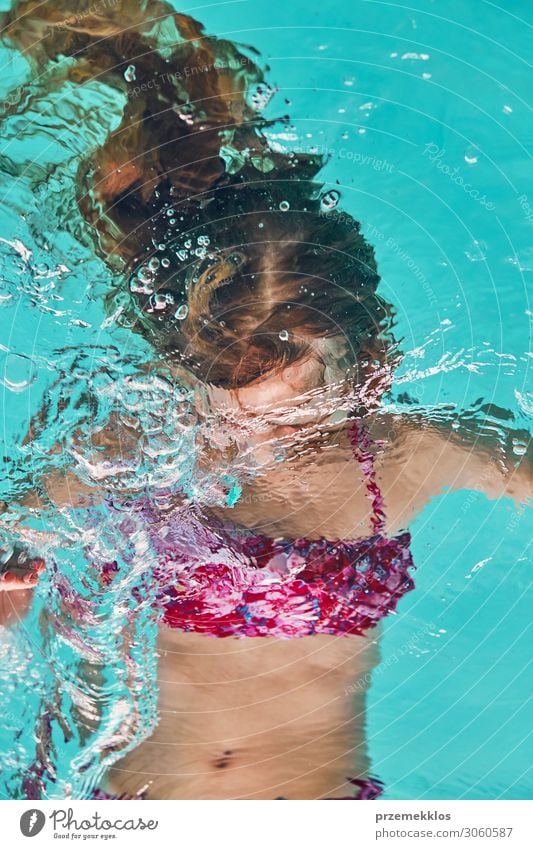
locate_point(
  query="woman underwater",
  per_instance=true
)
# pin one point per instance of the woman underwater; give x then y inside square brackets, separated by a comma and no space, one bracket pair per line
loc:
[261,299]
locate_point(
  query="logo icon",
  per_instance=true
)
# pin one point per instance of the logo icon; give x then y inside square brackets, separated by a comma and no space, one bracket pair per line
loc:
[32,822]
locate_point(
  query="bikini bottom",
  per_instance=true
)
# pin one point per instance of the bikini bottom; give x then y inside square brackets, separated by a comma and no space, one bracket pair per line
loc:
[368,788]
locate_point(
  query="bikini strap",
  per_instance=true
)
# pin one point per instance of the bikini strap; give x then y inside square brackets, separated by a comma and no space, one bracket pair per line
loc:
[361,449]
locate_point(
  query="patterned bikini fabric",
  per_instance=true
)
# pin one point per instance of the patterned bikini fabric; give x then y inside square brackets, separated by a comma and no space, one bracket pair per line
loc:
[286,588]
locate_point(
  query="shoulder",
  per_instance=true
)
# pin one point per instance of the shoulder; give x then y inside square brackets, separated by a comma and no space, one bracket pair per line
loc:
[440,456]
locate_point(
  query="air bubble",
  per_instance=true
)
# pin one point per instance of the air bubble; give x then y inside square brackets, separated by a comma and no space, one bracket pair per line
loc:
[284,205]
[161,302]
[471,155]
[140,288]
[144,275]
[204,241]
[17,371]
[182,312]
[262,96]
[165,262]
[476,251]
[154,264]
[184,114]
[330,200]
[284,335]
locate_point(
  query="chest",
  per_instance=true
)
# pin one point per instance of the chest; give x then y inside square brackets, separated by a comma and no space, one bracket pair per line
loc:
[323,497]
[332,498]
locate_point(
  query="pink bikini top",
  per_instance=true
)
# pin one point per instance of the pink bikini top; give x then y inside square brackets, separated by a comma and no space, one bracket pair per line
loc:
[251,585]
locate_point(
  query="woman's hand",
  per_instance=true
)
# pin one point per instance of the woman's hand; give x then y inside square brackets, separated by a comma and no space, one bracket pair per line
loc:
[19,571]
[19,574]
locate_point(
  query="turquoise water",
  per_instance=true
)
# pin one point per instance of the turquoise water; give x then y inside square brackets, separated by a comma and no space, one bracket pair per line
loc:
[424,111]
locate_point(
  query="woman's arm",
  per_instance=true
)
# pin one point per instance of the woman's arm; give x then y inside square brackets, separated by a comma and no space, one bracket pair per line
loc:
[19,570]
[466,459]
[19,574]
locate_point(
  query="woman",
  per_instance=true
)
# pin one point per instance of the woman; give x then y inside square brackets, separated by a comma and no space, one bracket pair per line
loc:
[262,300]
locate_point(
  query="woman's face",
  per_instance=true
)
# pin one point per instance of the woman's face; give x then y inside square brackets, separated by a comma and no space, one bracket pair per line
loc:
[285,402]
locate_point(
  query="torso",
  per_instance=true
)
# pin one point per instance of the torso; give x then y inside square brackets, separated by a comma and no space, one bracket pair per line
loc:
[261,718]
[255,719]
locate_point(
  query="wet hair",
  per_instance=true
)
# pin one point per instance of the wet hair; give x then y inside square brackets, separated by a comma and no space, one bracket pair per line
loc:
[189,100]
[246,284]
[232,257]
